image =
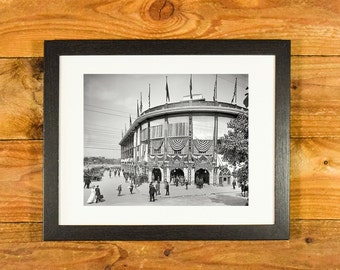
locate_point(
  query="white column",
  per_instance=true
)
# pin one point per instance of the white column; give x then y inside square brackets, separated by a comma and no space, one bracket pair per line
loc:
[185,170]
[150,175]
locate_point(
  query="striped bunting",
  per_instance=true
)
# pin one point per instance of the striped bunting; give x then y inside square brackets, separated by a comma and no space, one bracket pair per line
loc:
[178,144]
[156,144]
[203,145]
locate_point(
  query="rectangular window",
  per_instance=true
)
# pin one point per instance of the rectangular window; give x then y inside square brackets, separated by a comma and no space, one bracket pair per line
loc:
[144,134]
[178,130]
[156,132]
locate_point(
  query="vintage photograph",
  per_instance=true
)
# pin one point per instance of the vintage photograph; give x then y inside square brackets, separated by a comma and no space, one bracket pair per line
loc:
[162,140]
[166,140]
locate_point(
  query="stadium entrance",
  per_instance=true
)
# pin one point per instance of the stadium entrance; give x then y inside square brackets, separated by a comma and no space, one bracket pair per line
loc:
[156,174]
[202,175]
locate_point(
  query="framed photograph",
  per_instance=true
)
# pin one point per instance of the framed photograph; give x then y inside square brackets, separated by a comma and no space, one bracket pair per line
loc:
[166,139]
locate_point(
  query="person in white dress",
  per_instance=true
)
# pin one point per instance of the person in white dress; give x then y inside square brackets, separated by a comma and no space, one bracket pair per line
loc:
[92,197]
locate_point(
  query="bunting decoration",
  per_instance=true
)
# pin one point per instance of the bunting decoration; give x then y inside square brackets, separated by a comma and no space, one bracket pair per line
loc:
[167,99]
[215,90]
[178,144]
[156,144]
[203,145]
[160,156]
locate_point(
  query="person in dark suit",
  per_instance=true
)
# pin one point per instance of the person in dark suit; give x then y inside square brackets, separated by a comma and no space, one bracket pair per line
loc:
[119,190]
[98,195]
[152,191]
[167,187]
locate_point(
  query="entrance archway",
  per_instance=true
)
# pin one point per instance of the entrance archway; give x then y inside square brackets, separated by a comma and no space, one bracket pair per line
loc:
[224,176]
[177,176]
[202,174]
[156,174]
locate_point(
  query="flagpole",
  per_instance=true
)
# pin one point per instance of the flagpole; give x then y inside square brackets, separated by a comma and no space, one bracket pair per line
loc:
[141,103]
[167,90]
[215,90]
[149,97]
[190,87]
[235,92]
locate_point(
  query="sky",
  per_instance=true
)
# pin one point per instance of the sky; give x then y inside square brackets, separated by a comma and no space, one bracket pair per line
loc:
[109,100]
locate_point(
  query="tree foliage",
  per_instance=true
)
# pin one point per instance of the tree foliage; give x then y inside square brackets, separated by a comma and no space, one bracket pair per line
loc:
[234,146]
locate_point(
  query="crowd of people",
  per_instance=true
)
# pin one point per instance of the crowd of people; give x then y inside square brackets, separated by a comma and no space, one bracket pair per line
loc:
[154,187]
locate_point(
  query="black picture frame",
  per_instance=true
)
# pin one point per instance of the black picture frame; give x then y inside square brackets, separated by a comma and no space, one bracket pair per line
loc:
[54,49]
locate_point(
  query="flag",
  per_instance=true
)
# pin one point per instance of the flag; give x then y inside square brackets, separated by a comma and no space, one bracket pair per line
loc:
[215,90]
[141,102]
[191,86]
[130,120]
[235,92]
[149,97]
[137,109]
[167,99]
[245,101]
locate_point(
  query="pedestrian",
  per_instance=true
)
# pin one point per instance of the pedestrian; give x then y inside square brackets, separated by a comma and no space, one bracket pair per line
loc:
[152,191]
[234,184]
[98,195]
[158,188]
[131,187]
[186,184]
[176,180]
[87,182]
[92,197]
[167,187]
[119,190]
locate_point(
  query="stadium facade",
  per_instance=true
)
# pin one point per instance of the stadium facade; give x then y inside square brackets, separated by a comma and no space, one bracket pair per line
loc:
[179,140]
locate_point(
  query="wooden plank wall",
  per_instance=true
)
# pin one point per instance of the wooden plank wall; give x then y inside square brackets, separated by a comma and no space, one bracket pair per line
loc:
[313,26]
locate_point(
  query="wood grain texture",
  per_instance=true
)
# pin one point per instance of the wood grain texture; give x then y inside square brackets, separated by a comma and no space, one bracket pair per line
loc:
[315,97]
[21,181]
[308,238]
[313,26]
[315,172]
[21,98]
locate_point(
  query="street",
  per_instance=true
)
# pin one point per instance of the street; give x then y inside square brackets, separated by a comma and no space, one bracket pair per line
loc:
[209,195]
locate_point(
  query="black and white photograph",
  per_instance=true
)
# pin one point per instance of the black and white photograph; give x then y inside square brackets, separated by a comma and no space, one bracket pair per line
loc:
[166,140]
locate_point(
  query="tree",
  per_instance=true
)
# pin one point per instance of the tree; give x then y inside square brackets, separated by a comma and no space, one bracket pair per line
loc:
[234,146]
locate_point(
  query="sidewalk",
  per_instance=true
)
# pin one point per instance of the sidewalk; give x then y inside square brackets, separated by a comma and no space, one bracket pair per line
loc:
[192,190]
[208,195]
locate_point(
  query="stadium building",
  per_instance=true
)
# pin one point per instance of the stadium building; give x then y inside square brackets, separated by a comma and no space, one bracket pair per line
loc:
[179,141]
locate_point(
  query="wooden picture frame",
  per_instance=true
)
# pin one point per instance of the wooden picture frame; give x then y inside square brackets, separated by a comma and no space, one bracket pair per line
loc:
[267,65]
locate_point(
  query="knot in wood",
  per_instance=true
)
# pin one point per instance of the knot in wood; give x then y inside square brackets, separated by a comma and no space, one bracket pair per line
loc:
[167,252]
[161,10]
[309,240]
